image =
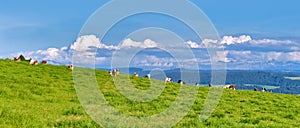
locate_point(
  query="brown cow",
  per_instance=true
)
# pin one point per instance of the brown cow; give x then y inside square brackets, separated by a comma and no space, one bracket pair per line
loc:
[136,74]
[256,89]
[44,62]
[33,62]
[17,59]
[230,86]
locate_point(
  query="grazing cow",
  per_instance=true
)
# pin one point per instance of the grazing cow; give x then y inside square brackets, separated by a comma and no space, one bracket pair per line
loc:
[44,62]
[209,85]
[232,87]
[263,89]
[148,76]
[33,62]
[135,74]
[226,86]
[17,59]
[168,79]
[70,67]
[115,72]
[196,84]
[180,82]
[256,89]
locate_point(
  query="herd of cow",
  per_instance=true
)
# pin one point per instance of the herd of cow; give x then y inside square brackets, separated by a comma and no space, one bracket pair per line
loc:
[35,62]
[116,72]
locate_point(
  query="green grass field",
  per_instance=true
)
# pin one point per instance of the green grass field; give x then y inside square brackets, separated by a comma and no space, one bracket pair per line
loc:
[44,96]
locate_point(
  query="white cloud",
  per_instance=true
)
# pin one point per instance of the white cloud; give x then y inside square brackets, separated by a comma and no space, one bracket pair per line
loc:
[230,40]
[221,56]
[260,59]
[291,56]
[192,44]
[206,43]
[153,61]
[84,43]
[236,58]
[129,43]
[226,40]
[271,42]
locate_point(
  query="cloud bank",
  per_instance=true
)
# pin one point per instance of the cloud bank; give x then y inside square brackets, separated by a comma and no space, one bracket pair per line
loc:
[241,52]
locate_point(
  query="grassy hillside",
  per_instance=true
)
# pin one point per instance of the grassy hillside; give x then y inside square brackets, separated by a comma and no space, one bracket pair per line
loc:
[44,96]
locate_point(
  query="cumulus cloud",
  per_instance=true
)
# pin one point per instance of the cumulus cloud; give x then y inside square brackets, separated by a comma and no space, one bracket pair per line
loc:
[206,43]
[260,59]
[192,44]
[85,43]
[283,57]
[85,46]
[221,56]
[230,40]
[129,43]
[226,40]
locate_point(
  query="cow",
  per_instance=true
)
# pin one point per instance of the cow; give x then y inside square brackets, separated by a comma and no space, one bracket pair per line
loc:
[168,79]
[148,76]
[33,62]
[226,86]
[196,84]
[180,82]
[115,72]
[256,89]
[44,62]
[263,89]
[135,74]
[230,87]
[17,59]
[209,85]
[70,67]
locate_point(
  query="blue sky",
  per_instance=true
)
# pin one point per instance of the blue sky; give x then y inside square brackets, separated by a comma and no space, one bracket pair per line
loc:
[32,25]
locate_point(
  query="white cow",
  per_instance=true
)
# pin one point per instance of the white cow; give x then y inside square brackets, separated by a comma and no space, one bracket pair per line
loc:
[115,72]
[33,62]
[148,76]
[168,79]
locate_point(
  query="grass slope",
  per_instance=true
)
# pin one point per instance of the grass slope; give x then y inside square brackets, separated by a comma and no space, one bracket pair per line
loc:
[44,96]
